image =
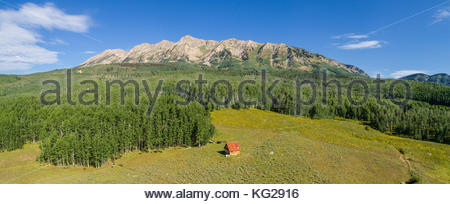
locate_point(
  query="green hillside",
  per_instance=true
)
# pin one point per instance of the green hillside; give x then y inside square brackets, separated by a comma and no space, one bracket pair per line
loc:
[441,78]
[276,148]
[424,117]
[126,146]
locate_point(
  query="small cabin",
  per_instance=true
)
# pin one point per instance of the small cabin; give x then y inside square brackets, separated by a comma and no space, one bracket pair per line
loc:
[232,148]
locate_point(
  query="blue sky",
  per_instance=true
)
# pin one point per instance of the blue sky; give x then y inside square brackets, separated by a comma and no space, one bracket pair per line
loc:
[393,38]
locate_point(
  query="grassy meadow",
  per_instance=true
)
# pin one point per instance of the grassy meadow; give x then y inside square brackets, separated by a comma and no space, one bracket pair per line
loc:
[276,148]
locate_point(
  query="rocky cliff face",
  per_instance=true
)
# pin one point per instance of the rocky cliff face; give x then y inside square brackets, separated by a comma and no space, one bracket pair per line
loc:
[221,54]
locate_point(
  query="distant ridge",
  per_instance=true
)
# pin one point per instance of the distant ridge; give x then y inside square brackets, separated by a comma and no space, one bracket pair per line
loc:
[440,78]
[223,54]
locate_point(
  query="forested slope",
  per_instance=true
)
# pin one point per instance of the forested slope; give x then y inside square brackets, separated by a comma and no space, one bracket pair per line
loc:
[89,135]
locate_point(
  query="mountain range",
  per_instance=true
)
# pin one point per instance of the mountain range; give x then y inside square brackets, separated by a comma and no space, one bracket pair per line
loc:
[441,78]
[223,54]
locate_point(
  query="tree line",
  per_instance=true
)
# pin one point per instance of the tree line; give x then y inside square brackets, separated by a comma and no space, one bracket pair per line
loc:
[417,119]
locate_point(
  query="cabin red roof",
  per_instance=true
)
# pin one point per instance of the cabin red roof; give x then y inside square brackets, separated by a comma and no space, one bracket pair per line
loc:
[233,146]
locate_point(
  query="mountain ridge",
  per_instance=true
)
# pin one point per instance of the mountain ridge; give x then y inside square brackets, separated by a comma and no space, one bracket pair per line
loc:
[441,78]
[221,54]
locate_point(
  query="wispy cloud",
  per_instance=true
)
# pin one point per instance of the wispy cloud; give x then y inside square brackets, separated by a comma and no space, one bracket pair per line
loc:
[19,37]
[89,52]
[408,18]
[369,44]
[356,40]
[350,36]
[357,36]
[58,42]
[352,41]
[402,73]
[441,15]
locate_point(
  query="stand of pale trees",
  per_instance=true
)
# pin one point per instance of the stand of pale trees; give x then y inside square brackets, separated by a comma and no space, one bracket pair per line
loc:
[90,135]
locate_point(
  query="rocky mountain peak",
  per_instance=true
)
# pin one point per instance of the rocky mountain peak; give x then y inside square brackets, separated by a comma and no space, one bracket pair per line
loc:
[187,39]
[221,54]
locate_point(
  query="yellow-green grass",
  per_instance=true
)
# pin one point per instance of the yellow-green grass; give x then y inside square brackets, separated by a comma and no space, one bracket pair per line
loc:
[276,148]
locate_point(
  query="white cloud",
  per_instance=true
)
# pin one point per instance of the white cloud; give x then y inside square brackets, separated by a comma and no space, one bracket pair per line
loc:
[89,52]
[357,36]
[58,42]
[350,36]
[442,15]
[19,39]
[47,16]
[356,41]
[362,45]
[402,73]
